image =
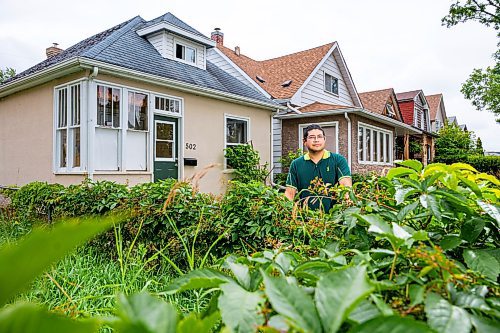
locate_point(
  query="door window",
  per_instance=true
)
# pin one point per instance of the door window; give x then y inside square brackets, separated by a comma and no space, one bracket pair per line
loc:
[164,141]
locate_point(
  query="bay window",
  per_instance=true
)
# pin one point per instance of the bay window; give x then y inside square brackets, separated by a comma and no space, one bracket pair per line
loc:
[375,145]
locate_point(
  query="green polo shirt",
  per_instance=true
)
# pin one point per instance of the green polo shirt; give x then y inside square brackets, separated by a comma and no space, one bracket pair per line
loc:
[331,168]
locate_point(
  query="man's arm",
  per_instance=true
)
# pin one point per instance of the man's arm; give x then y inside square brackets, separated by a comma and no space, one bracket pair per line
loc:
[290,192]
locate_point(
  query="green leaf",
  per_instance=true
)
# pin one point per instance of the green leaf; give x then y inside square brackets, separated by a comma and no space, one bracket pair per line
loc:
[483,262]
[412,164]
[471,301]
[402,193]
[338,293]
[393,324]
[406,209]
[377,224]
[240,309]
[471,185]
[491,210]
[48,246]
[192,323]
[471,229]
[450,242]
[198,279]
[484,325]
[383,307]
[444,317]
[398,172]
[240,271]
[417,293]
[364,312]
[31,318]
[293,303]
[311,270]
[430,202]
[143,313]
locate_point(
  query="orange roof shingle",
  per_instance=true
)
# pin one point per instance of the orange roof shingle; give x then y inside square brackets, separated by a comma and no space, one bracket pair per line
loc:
[296,67]
[317,106]
[375,101]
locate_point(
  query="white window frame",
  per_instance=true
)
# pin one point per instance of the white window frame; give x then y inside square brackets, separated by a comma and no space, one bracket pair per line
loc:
[148,96]
[249,138]
[69,128]
[324,124]
[174,145]
[379,147]
[185,45]
[324,83]
[170,98]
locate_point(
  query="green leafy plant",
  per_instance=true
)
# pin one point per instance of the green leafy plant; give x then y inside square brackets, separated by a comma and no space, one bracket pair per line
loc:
[245,160]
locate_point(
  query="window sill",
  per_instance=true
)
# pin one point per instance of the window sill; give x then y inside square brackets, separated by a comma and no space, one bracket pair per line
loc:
[375,163]
[111,172]
[229,171]
[331,93]
[62,173]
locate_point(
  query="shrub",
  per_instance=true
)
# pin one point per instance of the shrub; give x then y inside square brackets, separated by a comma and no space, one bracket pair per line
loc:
[37,200]
[488,164]
[246,162]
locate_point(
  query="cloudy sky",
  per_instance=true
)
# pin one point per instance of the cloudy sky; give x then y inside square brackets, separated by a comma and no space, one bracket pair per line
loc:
[386,43]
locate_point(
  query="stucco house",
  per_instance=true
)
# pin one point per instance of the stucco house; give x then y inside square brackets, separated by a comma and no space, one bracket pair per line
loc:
[137,102]
[315,86]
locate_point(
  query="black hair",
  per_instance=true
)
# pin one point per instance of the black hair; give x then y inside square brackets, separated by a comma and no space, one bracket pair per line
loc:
[310,128]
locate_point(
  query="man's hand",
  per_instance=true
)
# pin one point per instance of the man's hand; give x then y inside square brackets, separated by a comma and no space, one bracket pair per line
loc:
[290,192]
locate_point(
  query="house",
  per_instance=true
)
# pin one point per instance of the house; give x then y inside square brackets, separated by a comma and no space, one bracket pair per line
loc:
[385,102]
[415,110]
[316,86]
[138,102]
[437,112]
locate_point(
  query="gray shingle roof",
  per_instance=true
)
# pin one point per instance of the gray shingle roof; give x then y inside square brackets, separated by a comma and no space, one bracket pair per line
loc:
[122,46]
[172,19]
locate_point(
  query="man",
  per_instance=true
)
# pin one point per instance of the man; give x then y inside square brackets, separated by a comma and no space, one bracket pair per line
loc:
[319,163]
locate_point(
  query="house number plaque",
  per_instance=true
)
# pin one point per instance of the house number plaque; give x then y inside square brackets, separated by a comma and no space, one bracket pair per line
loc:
[190,146]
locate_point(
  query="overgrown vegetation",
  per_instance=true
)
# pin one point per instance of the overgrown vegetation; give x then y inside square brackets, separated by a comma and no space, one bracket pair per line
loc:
[416,250]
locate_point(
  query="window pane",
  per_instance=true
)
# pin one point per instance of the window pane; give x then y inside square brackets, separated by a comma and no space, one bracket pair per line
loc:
[63,142]
[190,54]
[367,145]
[360,144]
[388,147]
[137,111]
[100,105]
[179,51]
[335,86]
[383,150]
[75,105]
[76,147]
[375,146]
[116,108]
[236,131]
[330,132]
[328,82]
[62,108]
[164,149]
[164,131]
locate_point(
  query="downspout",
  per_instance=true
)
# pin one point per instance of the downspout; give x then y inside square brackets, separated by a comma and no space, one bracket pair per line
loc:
[288,105]
[349,150]
[90,125]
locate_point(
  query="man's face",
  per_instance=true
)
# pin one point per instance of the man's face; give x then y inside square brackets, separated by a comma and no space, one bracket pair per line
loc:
[315,141]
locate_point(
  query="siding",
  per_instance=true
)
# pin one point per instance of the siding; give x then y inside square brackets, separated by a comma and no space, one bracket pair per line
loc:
[164,43]
[276,145]
[215,58]
[407,111]
[157,41]
[314,91]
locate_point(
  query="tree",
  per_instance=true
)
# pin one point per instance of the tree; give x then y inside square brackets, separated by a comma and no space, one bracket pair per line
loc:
[483,86]
[7,73]
[479,147]
[453,145]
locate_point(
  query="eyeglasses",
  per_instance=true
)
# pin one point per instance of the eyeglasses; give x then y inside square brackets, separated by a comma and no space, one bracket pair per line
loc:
[314,137]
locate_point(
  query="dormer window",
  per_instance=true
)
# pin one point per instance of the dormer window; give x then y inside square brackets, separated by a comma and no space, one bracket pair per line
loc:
[185,53]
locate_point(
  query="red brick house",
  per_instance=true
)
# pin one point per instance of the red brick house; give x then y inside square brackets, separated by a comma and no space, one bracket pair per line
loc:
[415,111]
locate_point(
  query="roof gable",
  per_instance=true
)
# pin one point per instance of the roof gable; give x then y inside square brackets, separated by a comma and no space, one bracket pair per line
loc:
[434,102]
[377,101]
[296,67]
[172,19]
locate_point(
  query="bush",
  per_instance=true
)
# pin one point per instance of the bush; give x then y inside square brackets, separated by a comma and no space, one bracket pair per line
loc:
[36,200]
[488,164]
[246,162]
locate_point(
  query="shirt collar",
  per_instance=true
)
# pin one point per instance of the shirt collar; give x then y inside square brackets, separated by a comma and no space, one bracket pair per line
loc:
[326,154]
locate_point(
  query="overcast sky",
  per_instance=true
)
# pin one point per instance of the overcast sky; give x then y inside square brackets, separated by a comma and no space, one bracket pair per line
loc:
[386,43]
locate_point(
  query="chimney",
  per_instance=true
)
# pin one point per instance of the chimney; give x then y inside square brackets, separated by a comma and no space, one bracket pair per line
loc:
[217,36]
[53,50]
[237,50]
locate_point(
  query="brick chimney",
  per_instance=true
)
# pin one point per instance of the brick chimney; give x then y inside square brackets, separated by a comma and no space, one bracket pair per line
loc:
[217,36]
[237,50]
[53,50]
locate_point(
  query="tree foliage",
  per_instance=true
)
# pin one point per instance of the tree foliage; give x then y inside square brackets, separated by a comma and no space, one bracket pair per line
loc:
[453,143]
[482,87]
[7,73]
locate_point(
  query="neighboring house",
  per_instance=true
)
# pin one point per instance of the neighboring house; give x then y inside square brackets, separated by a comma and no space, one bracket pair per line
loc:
[452,120]
[316,87]
[463,127]
[415,110]
[134,103]
[437,112]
